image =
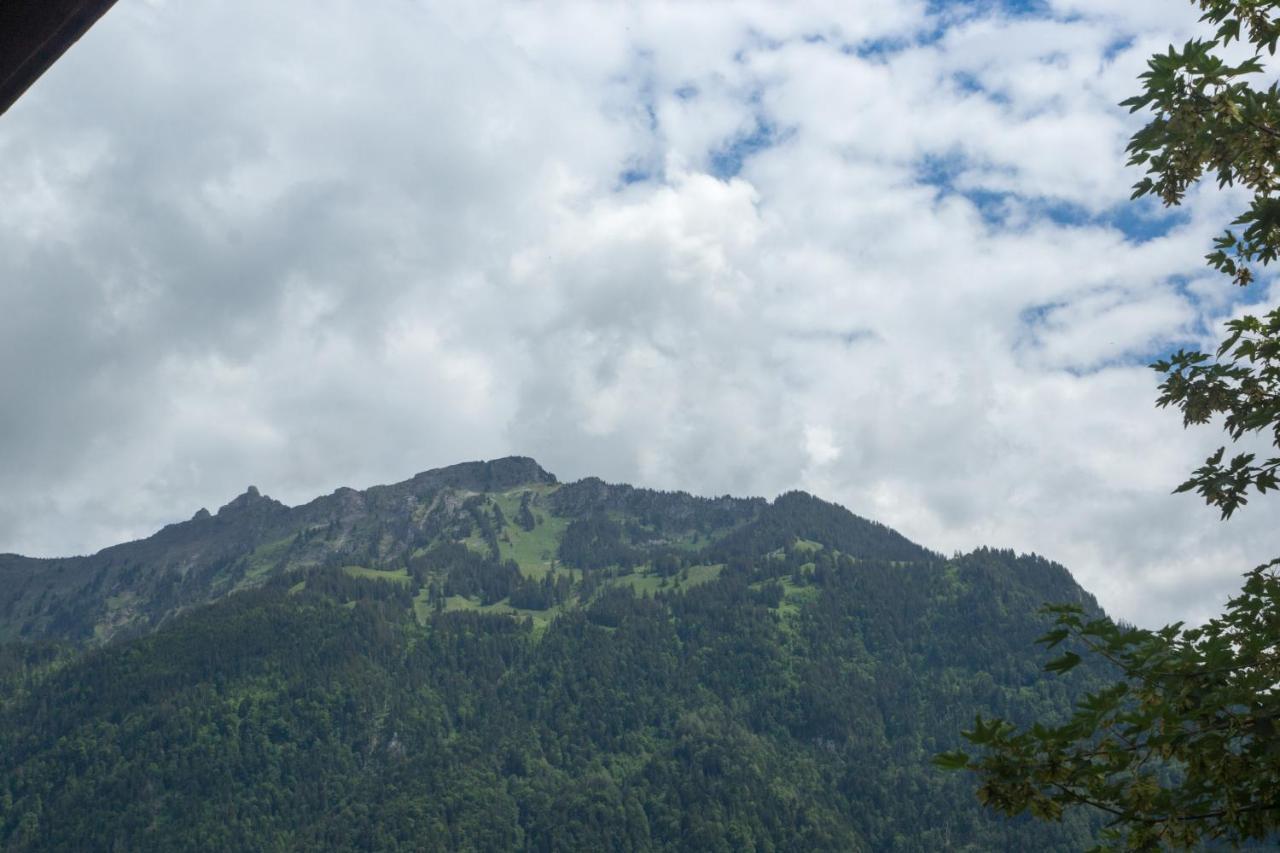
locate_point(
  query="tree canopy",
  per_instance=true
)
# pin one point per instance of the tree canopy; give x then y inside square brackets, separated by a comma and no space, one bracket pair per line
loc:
[1209,117]
[1183,749]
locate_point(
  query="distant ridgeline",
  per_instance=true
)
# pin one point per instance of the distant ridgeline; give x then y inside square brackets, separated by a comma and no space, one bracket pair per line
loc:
[482,658]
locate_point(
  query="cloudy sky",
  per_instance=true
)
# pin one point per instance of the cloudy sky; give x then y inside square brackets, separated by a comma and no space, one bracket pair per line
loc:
[879,250]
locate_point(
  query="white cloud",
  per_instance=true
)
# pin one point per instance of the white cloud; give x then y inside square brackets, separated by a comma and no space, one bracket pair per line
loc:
[347,243]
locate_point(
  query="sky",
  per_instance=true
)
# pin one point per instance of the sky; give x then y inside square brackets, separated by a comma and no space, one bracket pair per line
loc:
[879,250]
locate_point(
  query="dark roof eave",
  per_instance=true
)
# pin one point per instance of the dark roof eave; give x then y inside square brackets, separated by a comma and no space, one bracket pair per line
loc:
[34,34]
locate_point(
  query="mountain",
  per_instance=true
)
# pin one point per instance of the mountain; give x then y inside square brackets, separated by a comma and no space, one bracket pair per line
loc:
[483,658]
[506,509]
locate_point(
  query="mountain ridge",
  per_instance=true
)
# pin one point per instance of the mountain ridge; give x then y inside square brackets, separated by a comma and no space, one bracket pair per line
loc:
[134,586]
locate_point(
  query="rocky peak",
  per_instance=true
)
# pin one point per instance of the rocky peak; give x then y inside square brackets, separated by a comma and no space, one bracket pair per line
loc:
[251,500]
[493,475]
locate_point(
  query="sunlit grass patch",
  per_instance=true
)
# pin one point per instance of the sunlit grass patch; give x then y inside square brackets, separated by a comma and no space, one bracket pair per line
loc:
[400,576]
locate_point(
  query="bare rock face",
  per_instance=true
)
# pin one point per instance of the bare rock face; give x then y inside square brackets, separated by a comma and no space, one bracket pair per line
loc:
[494,475]
[251,501]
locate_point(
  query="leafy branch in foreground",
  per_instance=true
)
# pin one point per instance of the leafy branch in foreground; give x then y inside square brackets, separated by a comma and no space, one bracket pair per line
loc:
[1184,749]
[1208,118]
[1181,750]
[1246,391]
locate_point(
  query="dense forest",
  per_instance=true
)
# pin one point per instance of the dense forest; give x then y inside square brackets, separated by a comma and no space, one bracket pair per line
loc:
[483,659]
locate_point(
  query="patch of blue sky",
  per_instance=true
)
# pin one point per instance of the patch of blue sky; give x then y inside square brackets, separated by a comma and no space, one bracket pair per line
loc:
[940,18]
[1038,315]
[970,84]
[1008,8]
[1144,219]
[942,15]
[880,48]
[639,80]
[1138,221]
[642,167]
[1145,354]
[1116,47]
[1128,360]
[1257,292]
[1037,322]
[649,106]
[1207,323]
[633,175]
[1229,299]
[756,41]
[727,161]
[687,92]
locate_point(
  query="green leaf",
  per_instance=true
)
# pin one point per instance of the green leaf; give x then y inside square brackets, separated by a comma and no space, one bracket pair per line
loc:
[1053,638]
[1068,661]
[952,761]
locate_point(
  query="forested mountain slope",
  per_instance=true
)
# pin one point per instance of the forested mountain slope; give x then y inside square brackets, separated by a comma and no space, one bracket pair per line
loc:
[481,658]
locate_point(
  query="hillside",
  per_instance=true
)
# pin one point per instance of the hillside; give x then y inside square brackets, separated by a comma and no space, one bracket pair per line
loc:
[483,658]
[506,510]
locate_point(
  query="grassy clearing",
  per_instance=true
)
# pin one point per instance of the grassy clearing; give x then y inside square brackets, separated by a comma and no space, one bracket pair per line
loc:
[703,574]
[422,606]
[264,559]
[533,550]
[118,602]
[794,597]
[647,581]
[688,541]
[540,618]
[509,501]
[460,602]
[476,543]
[643,582]
[400,576]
